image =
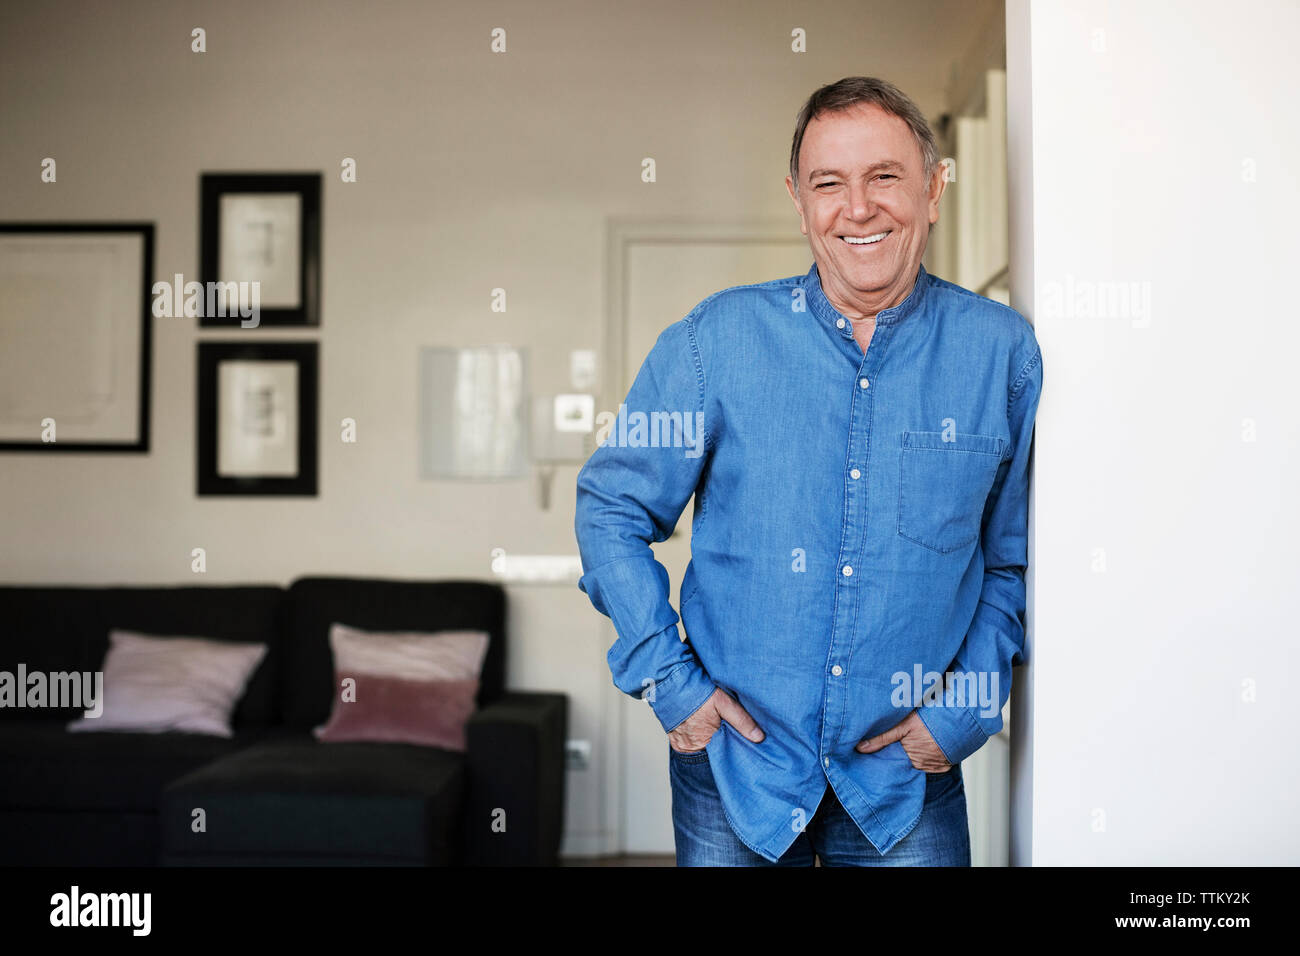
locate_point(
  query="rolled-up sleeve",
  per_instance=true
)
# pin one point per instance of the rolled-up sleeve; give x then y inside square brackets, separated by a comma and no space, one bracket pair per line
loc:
[631,493]
[995,639]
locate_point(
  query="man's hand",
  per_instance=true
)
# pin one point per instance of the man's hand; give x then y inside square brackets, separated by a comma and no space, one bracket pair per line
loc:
[916,739]
[694,733]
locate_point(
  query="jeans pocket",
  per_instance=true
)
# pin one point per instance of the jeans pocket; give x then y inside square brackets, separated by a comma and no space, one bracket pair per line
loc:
[943,486]
[938,784]
[694,756]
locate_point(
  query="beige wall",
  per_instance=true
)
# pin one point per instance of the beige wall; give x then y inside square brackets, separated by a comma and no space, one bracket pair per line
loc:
[475,171]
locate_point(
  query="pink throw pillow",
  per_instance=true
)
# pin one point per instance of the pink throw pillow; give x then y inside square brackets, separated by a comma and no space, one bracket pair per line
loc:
[432,713]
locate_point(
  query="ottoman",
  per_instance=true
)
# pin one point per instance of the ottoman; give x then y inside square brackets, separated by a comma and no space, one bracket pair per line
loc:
[294,801]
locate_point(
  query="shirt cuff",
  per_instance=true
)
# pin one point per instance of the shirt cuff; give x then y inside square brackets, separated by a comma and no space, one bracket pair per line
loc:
[681,693]
[956,730]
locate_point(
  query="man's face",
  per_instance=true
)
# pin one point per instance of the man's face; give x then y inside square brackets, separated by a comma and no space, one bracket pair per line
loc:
[861,177]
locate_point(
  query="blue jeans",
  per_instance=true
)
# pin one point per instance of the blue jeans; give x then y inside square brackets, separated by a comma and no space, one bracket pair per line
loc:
[705,838]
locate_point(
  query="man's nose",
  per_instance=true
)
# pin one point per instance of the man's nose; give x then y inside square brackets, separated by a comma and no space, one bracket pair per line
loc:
[860,204]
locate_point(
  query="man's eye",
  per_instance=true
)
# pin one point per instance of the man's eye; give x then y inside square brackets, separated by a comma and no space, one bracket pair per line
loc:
[886,176]
[820,185]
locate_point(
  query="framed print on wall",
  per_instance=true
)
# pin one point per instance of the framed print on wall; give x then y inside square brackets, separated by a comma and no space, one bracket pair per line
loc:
[262,228]
[75,326]
[471,416]
[257,418]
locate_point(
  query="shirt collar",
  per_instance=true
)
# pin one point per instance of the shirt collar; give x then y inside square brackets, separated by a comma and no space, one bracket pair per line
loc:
[823,308]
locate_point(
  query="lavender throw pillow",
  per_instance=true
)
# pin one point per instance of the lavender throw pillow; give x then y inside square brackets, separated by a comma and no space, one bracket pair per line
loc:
[156,684]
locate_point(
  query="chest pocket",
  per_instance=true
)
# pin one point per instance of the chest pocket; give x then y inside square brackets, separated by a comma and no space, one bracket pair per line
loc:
[943,486]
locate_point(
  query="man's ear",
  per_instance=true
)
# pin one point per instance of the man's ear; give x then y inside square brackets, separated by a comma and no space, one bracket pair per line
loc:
[798,206]
[938,183]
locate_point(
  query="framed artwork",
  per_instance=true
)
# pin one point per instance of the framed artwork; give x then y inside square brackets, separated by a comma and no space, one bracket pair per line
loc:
[75,327]
[257,418]
[261,233]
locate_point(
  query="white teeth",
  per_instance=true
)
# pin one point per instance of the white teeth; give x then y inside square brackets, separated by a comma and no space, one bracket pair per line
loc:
[867,240]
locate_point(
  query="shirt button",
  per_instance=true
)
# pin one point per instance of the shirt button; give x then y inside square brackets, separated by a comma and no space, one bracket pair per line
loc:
[826,761]
[837,670]
[855,473]
[863,382]
[839,323]
[848,571]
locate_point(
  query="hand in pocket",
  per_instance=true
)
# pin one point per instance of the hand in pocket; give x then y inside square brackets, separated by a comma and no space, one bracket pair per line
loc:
[694,733]
[915,737]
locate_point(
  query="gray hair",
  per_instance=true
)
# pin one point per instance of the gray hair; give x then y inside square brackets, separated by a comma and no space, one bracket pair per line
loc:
[857,90]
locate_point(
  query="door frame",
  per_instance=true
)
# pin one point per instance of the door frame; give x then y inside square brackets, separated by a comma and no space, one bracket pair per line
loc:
[621,234]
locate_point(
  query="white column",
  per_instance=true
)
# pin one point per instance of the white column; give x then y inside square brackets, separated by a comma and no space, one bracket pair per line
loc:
[1154,200]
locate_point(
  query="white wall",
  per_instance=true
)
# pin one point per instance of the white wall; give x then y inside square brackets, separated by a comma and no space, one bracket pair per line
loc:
[474,171]
[1159,149]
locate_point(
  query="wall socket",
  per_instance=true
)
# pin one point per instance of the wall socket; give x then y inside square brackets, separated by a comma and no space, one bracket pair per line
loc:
[577,754]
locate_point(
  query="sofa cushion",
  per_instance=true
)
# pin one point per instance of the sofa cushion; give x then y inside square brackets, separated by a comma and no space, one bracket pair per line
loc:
[66,629]
[297,799]
[314,604]
[78,838]
[44,767]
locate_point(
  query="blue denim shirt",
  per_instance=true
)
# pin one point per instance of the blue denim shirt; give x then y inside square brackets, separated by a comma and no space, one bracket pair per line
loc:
[859,530]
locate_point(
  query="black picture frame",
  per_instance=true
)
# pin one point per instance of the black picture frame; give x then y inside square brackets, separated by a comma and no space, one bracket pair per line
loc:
[210,420]
[145,232]
[212,186]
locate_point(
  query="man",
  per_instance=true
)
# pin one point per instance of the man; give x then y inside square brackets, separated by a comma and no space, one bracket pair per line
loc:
[861,502]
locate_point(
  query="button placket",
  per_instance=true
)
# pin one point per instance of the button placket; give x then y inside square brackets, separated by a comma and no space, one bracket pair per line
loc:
[852,542]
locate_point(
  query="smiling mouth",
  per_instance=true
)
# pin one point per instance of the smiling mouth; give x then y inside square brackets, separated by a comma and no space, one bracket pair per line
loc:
[867,240]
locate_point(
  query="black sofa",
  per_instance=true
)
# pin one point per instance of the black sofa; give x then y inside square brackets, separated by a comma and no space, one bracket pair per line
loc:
[272,794]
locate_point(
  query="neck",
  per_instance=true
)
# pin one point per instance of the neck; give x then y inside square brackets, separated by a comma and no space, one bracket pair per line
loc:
[867,306]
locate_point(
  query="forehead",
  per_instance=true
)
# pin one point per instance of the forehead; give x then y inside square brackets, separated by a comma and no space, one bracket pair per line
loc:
[863,133]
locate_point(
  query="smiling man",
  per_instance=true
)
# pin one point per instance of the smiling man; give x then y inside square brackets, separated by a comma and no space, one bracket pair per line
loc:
[861,507]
